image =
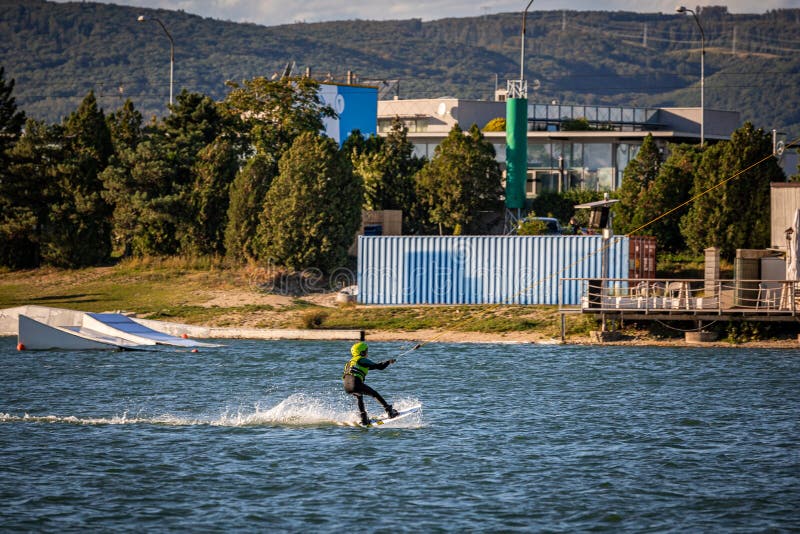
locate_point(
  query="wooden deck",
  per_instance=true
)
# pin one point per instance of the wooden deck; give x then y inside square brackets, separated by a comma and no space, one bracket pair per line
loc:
[688,300]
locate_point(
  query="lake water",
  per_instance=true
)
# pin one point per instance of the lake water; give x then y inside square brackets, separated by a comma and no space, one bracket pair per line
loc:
[256,436]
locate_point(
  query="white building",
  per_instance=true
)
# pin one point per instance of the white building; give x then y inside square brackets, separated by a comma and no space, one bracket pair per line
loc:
[558,158]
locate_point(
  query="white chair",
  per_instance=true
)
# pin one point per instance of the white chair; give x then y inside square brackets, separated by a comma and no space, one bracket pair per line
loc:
[767,297]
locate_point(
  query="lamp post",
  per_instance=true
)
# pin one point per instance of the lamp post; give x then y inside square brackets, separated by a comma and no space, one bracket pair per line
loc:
[142,18]
[522,48]
[683,9]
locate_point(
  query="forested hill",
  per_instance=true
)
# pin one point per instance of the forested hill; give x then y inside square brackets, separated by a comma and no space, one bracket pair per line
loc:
[58,52]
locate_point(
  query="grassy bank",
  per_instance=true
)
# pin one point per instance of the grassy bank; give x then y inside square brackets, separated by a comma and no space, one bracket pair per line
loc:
[207,292]
[152,287]
[203,291]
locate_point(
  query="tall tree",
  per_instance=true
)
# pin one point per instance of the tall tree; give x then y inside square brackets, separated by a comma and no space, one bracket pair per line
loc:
[145,215]
[651,189]
[26,191]
[245,204]
[634,210]
[161,181]
[17,223]
[732,186]
[125,126]
[356,145]
[273,113]
[313,209]
[78,232]
[670,190]
[462,179]
[11,119]
[268,116]
[194,123]
[214,171]
[387,167]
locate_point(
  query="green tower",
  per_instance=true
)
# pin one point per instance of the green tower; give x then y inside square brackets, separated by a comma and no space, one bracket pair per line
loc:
[516,152]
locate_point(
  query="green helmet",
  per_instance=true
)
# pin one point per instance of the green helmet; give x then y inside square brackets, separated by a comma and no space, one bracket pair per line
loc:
[358,349]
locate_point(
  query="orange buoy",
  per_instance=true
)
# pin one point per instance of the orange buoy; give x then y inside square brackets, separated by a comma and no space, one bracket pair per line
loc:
[20,346]
[184,336]
[195,350]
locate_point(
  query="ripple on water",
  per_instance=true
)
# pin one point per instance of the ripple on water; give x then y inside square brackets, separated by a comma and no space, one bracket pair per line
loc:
[256,436]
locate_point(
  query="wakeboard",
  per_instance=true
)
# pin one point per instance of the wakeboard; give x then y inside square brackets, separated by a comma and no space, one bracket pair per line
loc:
[401,415]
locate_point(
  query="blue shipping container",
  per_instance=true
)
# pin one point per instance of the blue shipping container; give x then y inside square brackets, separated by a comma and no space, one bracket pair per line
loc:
[483,269]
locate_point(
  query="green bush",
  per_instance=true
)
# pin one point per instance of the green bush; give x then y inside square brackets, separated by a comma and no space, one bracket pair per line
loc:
[314,318]
[531,226]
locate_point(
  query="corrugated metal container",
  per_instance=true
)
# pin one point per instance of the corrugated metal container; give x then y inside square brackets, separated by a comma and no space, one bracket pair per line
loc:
[643,256]
[482,269]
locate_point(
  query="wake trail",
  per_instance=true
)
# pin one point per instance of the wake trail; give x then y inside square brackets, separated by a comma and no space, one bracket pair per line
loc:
[298,410]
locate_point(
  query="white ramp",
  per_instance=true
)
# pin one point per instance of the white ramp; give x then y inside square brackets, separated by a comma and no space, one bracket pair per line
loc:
[35,335]
[9,317]
[118,325]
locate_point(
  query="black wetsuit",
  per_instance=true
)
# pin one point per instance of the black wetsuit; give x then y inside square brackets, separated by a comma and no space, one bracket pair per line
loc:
[355,386]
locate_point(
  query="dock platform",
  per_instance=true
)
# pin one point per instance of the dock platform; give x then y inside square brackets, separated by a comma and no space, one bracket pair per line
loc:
[687,299]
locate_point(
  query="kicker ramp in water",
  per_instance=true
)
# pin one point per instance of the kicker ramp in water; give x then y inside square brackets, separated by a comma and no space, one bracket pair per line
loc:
[117,325]
[36,335]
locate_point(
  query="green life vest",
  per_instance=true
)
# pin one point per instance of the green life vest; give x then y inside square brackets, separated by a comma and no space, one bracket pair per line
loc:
[353,368]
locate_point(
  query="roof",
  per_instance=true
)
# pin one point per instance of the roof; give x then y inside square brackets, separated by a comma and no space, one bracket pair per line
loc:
[598,203]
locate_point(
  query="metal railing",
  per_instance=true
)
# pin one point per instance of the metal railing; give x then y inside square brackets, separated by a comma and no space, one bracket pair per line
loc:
[683,295]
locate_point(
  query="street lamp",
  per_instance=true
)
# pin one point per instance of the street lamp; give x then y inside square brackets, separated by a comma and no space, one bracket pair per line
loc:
[142,18]
[522,48]
[683,9]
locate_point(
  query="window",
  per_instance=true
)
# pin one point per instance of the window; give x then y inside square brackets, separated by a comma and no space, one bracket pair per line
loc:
[598,162]
[500,151]
[605,179]
[539,155]
[627,114]
[573,155]
[597,155]
[548,181]
[575,179]
[556,153]
[530,184]
[423,150]
[414,124]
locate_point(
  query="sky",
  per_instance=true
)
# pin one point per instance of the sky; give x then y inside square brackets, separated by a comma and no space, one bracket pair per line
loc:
[274,12]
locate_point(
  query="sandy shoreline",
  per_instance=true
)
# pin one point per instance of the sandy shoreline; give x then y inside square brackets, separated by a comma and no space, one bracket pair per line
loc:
[434,336]
[254,314]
